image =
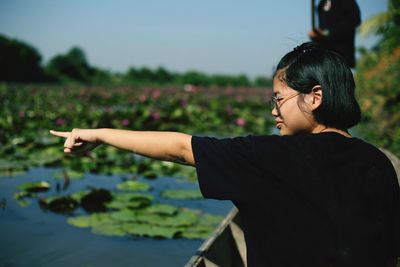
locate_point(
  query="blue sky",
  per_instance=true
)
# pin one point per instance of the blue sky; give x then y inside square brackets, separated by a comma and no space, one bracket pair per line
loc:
[224,36]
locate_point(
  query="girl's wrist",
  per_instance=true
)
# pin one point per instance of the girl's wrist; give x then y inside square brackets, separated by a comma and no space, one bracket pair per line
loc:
[100,135]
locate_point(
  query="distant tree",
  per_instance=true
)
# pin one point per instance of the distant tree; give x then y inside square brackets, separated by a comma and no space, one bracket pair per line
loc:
[19,62]
[195,78]
[263,81]
[162,75]
[71,66]
[220,80]
[241,80]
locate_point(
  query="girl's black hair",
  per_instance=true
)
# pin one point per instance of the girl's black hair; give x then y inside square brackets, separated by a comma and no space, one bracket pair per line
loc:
[309,65]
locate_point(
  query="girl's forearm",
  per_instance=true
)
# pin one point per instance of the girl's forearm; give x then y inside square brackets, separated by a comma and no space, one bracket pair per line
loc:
[169,146]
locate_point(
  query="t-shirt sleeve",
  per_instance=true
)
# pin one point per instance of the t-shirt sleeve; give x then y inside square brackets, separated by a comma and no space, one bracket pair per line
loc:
[230,168]
[222,165]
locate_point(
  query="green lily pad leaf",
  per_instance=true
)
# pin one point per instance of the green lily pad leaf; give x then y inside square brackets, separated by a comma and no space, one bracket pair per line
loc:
[95,200]
[197,232]
[12,168]
[18,141]
[23,203]
[133,196]
[47,156]
[148,230]
[182,194]
[34,187]
[46,140]
[80,221]
[183,218]
[149,174]
[133,185]
[125,215]
[129,201]
[203,228]
[73,175]
[23,194]
[210,219]
[58,204]
[90,220]
[79,195]
[108,230]
[20,197]
[101,218]
[162,209]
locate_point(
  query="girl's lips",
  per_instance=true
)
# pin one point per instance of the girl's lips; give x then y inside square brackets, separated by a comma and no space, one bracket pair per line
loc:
[278,124]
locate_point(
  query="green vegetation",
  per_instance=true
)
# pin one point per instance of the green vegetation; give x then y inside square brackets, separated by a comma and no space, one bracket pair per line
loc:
[20,62]
[130,207]
[378,81]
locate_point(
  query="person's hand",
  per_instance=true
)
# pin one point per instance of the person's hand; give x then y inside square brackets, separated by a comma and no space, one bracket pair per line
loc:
[317,34]
[78,141]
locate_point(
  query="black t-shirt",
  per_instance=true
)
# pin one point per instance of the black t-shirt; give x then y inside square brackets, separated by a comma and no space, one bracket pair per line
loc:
[306,200]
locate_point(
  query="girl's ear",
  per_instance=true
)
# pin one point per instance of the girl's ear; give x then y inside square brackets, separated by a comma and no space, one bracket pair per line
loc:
[315,97]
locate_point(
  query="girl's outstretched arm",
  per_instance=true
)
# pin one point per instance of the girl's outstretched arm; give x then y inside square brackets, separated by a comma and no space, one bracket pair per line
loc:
[169,146]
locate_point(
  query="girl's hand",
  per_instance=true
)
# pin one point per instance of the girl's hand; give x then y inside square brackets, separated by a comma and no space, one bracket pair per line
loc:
[78,141]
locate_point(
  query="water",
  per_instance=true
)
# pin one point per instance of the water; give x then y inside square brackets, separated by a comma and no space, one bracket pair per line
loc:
[33,237]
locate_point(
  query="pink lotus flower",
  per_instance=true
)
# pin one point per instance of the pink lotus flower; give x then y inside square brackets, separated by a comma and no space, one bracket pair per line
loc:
[125,122]
[229,110]
[142,98]
[155,115]
[156,94]
[239,98]
[240,122]
[60,121]
[184,102]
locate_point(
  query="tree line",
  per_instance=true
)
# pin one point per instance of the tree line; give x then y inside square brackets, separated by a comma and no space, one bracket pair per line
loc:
[21,62]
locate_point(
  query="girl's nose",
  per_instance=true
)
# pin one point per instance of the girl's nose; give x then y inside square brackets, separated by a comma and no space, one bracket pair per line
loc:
[274,112]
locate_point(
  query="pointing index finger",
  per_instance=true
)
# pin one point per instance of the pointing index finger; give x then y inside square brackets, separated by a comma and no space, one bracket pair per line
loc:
[60,134]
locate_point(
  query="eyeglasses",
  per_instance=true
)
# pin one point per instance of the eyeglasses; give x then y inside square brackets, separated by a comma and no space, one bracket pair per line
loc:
[278,101]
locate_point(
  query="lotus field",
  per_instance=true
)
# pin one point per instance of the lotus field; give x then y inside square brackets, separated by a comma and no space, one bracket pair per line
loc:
[146,198]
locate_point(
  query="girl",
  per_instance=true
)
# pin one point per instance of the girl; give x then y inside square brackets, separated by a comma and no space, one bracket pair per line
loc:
[314,196]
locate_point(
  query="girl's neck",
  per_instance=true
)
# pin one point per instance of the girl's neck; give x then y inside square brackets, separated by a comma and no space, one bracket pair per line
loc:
[323,128]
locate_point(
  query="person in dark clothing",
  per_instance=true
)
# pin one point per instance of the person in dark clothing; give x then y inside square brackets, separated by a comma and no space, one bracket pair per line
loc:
[338,20]
[312,197]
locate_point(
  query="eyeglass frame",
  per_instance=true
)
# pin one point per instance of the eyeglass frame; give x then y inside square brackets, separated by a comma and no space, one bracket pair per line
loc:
[274,100]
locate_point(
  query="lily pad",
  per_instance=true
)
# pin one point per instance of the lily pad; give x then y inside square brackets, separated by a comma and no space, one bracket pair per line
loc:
[129,201]
[73,175]
[183,218]
[182,194]
[48,156]
[59,204]
[21,198]
[125,215]
[134,186]
[35,187]
[148,230]
[108,230]
[90,220]
[95,200]
[23,194]
[12,168]
[210,219]
[150,174]
[79,195]
[197,232]
[80,221]
[162,209]
[46,140]
[203,228]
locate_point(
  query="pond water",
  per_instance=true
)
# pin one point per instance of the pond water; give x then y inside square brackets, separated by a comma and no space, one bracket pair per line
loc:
[31,236]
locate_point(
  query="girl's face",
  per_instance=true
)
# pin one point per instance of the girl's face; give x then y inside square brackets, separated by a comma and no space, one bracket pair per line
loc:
[292,113]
